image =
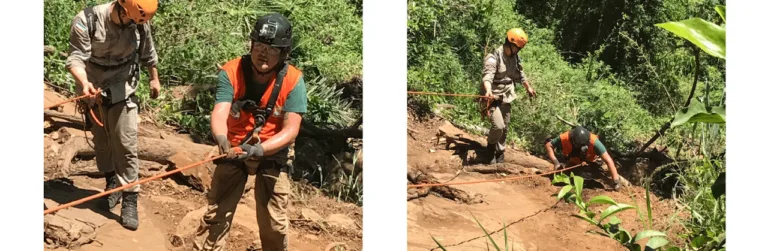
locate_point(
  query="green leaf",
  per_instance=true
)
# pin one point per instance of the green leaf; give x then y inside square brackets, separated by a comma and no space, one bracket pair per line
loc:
[601,199]
[648,203]
[614,209]
[579,184]
[623,237]
[506,240]
[720,10]
[586,219]
[656,242]
[696,112]
[700,241]
[486,232]
[674,249]
[718,188]
[615,220]
[564,191]
[561,179]
[648,234]
[438,243]
[704,34]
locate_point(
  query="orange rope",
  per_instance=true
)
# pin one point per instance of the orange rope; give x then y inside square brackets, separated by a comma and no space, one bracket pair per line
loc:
[83,200]
[67,101]
[493,180]
[449,94]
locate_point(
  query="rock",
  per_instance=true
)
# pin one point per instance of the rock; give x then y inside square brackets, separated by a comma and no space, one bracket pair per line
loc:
[311,237]
[309,214]
[197,176]
[54,135]
[189,223]
[67,232]
[340,221]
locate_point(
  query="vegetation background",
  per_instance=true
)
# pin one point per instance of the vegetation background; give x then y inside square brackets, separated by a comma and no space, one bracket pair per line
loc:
[601,64]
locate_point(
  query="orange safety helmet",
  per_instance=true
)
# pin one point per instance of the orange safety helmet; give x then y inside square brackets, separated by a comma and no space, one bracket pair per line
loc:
[140,11]
[517,37]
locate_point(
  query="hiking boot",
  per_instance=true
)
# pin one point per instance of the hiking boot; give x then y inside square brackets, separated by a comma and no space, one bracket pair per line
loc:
[129,214]
[490,153]
[114,198]
[498,158]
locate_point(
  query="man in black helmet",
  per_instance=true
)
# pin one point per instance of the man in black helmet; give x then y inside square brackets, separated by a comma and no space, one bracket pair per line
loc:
[257,114]
[580,146]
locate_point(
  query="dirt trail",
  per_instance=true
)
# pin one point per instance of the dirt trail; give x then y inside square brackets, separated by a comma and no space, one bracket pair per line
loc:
[539,222]
[169,207]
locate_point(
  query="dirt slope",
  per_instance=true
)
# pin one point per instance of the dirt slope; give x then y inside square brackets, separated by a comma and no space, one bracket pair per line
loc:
[539,223]
[169,208]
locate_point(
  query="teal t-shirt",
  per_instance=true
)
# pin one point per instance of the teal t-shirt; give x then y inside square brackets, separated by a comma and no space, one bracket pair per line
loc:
[296,102]
[599,147]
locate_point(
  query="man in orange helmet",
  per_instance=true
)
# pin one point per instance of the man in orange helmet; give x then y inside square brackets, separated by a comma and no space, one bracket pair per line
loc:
[104,54]
[502,68]
[260,99]
[580,146]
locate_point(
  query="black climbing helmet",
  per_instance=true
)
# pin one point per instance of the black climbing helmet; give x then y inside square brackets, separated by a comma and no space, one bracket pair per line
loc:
[273,29]
[579,136]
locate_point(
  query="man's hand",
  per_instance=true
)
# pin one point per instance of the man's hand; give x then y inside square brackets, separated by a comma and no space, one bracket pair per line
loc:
[88,88]
[244,152]
[154,88]
[616,184]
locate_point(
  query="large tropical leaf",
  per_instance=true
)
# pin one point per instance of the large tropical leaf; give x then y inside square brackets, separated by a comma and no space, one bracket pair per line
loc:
[613,210]
[721,10]
[648,234]
[697,112]
[601,199]
[564,191]
[704,34]
[656,242]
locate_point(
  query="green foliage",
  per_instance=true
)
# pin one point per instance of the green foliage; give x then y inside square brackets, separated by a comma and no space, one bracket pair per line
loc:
[706,35]
[697,112]
[194,38]
[447,44]
[613,227]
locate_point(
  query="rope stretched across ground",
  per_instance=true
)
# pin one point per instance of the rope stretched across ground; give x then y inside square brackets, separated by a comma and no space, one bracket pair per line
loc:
[492,180]
[502,228]
[120,188]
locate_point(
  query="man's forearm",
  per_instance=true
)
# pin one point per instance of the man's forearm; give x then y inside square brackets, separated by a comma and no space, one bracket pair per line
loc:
[551,154]
[153,72]
[79,74]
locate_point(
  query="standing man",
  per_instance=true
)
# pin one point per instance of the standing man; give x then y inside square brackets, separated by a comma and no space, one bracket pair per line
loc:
[502,68]
[578,146]
[107,43]
[260,99]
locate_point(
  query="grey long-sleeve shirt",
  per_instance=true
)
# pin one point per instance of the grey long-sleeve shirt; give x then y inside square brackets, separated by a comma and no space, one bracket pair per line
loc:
[501,72]
[110,47]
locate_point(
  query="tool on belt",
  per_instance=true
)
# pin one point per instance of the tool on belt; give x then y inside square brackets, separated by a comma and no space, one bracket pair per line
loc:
[249,103]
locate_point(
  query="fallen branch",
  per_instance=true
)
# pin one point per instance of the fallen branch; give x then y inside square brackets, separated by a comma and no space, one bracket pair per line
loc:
[419,177]
[565,121]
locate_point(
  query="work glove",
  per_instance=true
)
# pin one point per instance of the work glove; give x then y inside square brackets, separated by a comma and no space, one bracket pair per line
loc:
[558,166]
[224,147]
[616,184]
[245,151]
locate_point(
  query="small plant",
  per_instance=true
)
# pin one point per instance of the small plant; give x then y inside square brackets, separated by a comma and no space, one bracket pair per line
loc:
[572,192]
[487,235]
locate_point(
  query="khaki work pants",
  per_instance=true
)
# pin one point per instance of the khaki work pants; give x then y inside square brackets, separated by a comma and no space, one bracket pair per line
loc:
[500,118]
[272,190]
[116,143]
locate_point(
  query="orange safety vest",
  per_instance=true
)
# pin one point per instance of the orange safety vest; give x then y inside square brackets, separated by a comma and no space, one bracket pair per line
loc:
[567,148]
[239,128]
